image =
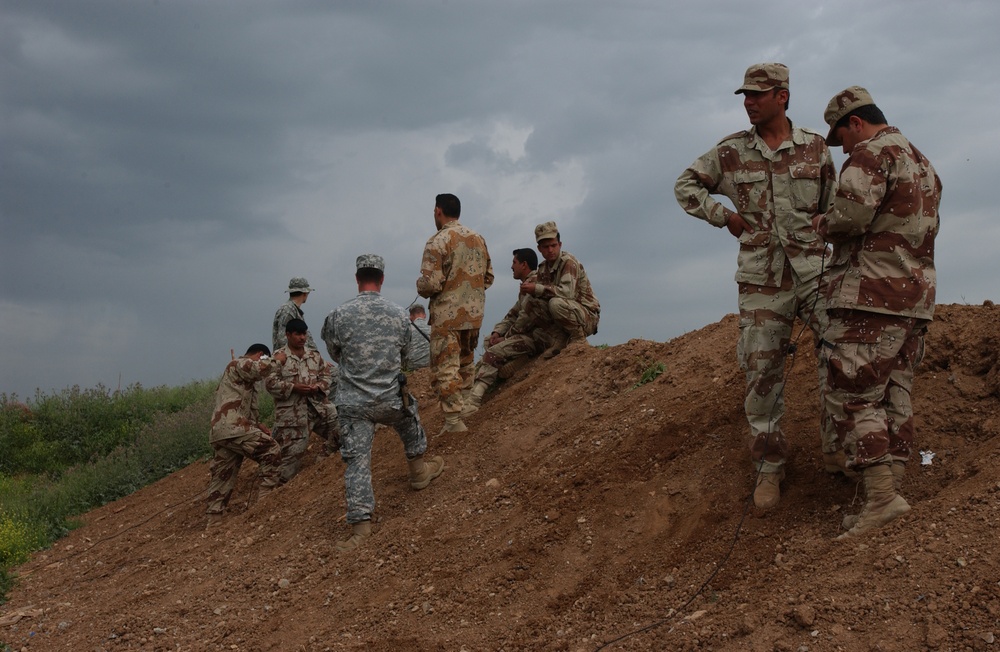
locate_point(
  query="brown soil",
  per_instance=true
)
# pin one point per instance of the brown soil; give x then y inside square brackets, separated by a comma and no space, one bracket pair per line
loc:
[578,510]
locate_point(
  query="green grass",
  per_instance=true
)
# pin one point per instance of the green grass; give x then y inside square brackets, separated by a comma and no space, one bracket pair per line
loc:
[650,374]
[66,454]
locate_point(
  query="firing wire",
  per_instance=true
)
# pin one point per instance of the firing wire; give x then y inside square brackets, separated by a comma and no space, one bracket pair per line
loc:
[791,350]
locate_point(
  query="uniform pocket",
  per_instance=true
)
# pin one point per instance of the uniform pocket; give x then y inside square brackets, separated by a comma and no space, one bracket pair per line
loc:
[805,187]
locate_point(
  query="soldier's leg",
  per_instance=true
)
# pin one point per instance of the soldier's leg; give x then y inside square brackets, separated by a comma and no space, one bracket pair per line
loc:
[570,316]
[766,318]
[357,432]
[261,448]
[446,366]
[898,406]
[468,340]
[406,423]
[224,469]
[293,441]
[323,421]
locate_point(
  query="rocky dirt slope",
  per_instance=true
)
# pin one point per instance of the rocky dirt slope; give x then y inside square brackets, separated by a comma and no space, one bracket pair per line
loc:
[579,513]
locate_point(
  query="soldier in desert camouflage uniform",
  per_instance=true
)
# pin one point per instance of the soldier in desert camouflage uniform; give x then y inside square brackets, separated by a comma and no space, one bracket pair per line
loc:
[454,274]
[560,299]
[370,336]
[881,296]
[300,386]
[236,433]
[514,340]
[298,293]
[779,177]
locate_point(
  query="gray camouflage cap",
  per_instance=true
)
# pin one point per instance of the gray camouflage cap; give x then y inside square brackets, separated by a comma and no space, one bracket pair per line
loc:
[298,284]
[764,77]
[843,103]
[370,261]
[546,230]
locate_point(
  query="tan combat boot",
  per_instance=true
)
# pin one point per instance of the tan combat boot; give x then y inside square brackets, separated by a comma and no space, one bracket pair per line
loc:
[559,343]
[359,532]
[513,367]
[213,521]
[898,469]
[767,493]
[882,503]
[453,423]
[421,472]
[837,463]
[475,398]
[577,338]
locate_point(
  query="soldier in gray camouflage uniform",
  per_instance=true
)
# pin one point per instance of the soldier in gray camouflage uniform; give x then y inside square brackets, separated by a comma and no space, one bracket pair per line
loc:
[881,296]
[420,344]
[779,177]
[300,386]
[236,432]
[369,336]
[298,293]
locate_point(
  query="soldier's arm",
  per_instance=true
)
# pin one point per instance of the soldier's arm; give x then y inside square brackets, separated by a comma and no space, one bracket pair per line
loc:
[488,280]
[328,335]
[324,378]
[862,189]
[276,387]
[565,287]
[695,186]
[432,275]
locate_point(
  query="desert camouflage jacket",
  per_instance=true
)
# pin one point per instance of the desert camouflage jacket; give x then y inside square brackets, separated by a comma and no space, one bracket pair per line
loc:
[369,336]
[454,274]
[507,325]
[883,224]
[288,310]
[778,193]
[290,408]
[566,278]
[236,398]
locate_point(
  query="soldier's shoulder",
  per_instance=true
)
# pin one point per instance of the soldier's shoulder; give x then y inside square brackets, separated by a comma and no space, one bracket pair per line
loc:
[735,136]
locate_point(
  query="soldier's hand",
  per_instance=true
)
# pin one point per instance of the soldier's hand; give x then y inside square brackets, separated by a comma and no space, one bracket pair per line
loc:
[495,338]
[527,288]
[819,225]
[737,225]
[264,429]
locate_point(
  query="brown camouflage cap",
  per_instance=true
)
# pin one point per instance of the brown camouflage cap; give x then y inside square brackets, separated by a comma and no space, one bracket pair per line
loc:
[298,284]
[546,230]
[843,103]
[764,77]
[370,261]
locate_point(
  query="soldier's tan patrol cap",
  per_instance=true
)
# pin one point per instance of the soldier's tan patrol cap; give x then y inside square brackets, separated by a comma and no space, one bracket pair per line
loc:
[764,77]
[546,230]
[370,261]
[298,284]
[843,103]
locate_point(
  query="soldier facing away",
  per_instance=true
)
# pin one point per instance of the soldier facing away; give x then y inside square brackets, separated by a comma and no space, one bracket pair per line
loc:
[779,177]
[420,344]
[369,337]
[298,294]
[454,275]
[883,224]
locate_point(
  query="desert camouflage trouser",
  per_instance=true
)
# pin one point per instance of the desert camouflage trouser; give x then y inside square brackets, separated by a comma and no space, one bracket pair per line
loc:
[357,432]
[226,462]
[871,358]
[510,348]
[294,438]
[453,353]
[564,313]
[767,315]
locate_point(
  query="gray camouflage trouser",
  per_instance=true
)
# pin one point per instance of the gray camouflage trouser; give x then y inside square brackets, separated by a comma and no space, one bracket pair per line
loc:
[357,432]
[767,315]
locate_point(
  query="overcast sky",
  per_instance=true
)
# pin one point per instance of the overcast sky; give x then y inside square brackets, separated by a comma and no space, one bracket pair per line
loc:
[166,166]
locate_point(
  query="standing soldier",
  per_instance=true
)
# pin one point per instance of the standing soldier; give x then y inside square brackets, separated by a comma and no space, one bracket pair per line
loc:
[779,177]
[881,296]
[236,432]
[298,294]
[454,274]
[420,344]
[369,337]
[300,386]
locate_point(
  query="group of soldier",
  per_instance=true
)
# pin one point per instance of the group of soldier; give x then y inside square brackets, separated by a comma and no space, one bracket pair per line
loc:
[853,259]
[372,343]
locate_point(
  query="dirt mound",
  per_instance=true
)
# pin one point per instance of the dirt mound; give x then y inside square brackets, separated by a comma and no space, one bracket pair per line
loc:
[579,508]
